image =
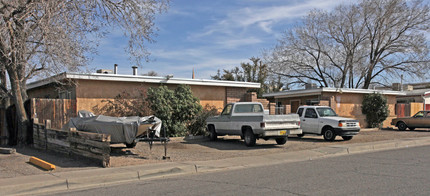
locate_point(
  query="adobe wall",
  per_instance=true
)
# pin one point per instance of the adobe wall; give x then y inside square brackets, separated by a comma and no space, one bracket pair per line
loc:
[91,93]
[344,104]
[252,97]
[349,105]
[294,100]
[234,95]
[50,91]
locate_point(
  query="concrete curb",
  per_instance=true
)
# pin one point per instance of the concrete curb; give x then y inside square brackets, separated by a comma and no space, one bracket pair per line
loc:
[41,163]
[74,180]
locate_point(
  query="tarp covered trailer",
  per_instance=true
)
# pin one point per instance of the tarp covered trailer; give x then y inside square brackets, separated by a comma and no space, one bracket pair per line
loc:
[127,130]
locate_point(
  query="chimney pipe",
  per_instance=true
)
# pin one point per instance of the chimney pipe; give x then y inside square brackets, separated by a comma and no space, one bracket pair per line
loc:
[115,69]
[134,70]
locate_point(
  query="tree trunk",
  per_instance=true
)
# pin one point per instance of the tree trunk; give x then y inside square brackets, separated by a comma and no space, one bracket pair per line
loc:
[18,96]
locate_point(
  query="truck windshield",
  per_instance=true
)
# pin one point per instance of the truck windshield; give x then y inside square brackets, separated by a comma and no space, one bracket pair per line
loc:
[326,112]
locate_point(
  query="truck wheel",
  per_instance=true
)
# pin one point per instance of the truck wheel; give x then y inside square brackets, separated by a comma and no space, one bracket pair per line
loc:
[329,134]
[281,141]
[402,126]
[249,138]
[212,133]
[132,145]
[300,135]
[346,138]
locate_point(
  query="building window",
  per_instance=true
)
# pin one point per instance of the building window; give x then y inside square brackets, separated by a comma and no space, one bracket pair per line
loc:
[312,101]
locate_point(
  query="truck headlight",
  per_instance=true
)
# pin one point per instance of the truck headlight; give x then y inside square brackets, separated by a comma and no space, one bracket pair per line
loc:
[340,124]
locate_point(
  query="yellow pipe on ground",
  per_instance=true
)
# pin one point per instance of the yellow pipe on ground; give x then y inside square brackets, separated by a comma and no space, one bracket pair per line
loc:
[41,163]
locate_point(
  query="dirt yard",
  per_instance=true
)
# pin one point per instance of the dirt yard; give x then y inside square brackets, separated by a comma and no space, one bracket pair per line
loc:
[231,146]
[180,150]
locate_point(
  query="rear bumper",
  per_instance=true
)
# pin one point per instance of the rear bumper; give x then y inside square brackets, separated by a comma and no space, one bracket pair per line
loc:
[346,132]
[280,133]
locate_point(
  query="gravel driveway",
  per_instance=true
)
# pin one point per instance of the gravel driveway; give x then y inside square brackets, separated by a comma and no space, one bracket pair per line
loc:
[180,150]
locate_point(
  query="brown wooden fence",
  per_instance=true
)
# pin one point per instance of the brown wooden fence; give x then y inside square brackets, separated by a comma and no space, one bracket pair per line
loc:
[76,143]
[59,111]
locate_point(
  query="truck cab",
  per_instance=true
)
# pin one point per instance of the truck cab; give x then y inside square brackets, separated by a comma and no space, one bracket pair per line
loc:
[249,121]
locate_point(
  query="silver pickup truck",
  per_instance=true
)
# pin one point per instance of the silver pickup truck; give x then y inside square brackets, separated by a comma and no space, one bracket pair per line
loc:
[247,119]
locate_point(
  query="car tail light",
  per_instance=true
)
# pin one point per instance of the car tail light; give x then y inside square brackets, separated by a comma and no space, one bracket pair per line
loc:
[262,124]
[298,124]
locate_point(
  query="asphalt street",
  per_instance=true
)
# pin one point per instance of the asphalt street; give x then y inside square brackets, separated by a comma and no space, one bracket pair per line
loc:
[395,172]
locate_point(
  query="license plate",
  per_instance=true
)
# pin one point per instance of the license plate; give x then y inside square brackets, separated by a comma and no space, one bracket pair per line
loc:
[282,132]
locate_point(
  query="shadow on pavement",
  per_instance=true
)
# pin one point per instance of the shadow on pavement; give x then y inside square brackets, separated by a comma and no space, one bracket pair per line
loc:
[318,140]
[122,151]
[407,130]
[58,159]
[223,143]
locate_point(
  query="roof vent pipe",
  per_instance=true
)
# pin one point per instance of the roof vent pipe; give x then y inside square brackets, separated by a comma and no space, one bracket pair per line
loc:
[134,70]
[115,69]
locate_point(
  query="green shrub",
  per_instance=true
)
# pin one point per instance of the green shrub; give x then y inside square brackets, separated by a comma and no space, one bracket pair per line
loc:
[175,108]
[375,108]
[197,126]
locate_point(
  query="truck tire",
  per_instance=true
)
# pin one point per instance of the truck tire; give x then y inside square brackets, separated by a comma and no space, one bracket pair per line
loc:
[281,141]
[212,133]
[249,138]
[346,138]
[402,126]
[132,145]
[329,134]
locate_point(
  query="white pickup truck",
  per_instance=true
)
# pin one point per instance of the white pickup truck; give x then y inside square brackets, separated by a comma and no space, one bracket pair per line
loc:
[322,120]
[248,120]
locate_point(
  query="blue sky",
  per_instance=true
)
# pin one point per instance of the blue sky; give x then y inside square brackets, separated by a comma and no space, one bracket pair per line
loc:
[209,35]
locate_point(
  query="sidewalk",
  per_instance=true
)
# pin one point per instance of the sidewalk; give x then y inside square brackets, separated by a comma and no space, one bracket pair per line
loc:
[62,181]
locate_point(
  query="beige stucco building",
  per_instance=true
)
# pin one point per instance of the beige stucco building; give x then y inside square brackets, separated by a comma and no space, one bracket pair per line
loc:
[345,102]
[90,90]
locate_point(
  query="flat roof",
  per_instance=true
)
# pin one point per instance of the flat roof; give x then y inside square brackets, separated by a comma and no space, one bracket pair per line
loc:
[142,79]
[318,91]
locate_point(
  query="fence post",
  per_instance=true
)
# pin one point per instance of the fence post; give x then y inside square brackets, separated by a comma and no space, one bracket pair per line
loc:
[47,126]
[35,131]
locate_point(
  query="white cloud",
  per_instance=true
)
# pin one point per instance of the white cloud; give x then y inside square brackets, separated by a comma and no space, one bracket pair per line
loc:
[264,17]
[236,42]
[266,26]
[205,61]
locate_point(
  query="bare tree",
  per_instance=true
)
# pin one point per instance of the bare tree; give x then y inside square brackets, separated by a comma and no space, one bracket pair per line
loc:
[151,73]
[44,36]
[356,45]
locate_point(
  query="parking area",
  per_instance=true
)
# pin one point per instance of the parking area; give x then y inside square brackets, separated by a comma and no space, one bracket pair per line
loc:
[180,150]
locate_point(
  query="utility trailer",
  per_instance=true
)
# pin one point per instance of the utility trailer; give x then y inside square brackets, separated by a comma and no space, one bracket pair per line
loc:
[127,130]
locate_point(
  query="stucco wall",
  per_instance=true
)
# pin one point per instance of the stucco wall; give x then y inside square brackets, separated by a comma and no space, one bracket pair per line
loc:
[349,105]
[210,95]
[235,95]
[50,91]
[345,104]
[91,93]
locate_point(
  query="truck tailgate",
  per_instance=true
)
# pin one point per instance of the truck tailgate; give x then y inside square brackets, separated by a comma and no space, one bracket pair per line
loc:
[289,121]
